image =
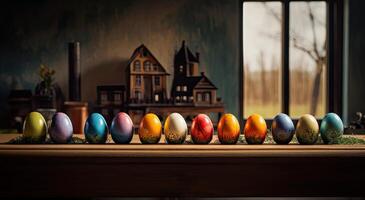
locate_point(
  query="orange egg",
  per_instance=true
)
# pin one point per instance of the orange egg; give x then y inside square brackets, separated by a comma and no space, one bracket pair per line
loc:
[150,129]
[255,129]
[228,129]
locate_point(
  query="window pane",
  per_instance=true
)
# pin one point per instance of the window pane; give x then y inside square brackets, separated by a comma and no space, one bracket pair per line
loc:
[308,58]
[262,58]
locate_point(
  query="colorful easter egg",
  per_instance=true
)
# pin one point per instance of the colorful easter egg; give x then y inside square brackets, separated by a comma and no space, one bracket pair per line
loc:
[307,129]
[255,129]
[202,129]
[282,129]
[228,129]
[35,128]
[96,129]
[150,129]
[331,128]
[121,128]
[175,129]
[61,129]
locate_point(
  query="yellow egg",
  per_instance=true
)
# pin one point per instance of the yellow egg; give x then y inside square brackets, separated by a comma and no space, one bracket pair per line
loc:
[150,129]
[35,127]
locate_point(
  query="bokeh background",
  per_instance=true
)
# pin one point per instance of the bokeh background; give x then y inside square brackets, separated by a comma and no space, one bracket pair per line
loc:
[38,31]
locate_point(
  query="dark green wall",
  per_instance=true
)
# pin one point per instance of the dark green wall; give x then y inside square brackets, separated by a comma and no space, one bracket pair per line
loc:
[35,32]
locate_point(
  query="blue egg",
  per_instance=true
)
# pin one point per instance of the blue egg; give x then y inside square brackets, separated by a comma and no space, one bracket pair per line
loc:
[282,129]
[96,129]
[331,128]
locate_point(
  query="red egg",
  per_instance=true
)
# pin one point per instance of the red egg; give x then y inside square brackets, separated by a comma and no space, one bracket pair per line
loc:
[202,129]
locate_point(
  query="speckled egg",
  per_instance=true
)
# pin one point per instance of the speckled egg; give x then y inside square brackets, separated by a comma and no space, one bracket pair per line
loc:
[228,129]
[121,128]
[35,128]
[202,129]
[255,129]
[96,129]
[282,129]
[307,129]
[175,129]
[331,128]
[61,129]
[150,129]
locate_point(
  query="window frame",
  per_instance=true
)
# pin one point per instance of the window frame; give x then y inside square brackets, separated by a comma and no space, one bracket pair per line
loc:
[334,59]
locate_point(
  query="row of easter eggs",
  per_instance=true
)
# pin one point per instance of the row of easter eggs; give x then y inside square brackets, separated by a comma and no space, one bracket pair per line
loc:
[175,129]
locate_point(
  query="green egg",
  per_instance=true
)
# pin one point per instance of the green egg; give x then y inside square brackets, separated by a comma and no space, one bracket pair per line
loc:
[35,128]
[307,130]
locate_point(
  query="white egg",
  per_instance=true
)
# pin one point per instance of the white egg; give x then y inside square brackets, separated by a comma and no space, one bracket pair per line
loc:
[175,129]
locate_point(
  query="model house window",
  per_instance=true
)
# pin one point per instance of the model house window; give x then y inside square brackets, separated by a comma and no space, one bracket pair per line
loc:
[184,98]
[178,88]
[191,98]
[184,88]
[207,96]
[286,57]
[117,98]
[138,95]
[104,97]
[157,97]
[181,68]
[137,66]
[154,67]
[157,80]
[147,66]
[138,80]
[178,98]
[199,97]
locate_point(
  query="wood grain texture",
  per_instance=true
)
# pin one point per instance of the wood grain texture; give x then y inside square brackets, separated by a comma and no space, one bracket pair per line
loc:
[163,170]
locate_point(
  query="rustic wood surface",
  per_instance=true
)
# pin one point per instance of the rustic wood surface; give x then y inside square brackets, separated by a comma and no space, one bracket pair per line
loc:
[161,170]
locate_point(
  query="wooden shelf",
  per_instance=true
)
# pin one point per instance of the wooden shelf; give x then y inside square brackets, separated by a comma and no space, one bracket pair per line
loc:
[188,170]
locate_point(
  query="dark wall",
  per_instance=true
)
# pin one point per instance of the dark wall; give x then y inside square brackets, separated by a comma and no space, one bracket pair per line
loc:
[35,32]
[355,58]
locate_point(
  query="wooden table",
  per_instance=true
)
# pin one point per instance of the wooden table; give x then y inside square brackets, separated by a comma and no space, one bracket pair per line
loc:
[163,170]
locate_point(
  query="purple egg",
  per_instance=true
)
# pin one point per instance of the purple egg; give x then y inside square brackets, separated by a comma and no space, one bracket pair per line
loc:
[122,128]
[61,128]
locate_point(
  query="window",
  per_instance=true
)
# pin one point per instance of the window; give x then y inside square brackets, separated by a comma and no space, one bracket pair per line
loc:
[287,57]
[138,80]
[185,88]
[157,80]
[181,68]
[178,88]
[137,66]
[155,67]
[262,58]
[157,97]
[117,98]
[138,95]
[199,97]
[191,98]
[147,66]
[185,98]
[104,97]
[207,96]
[178,98]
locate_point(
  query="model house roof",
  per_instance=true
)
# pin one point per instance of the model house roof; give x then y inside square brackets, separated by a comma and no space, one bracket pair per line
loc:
[185,54]
[144,50]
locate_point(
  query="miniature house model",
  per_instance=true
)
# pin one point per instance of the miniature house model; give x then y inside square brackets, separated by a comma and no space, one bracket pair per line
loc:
[190,86]
[147,78]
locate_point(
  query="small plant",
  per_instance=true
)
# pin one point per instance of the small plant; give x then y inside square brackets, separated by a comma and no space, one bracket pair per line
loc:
[45,87]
